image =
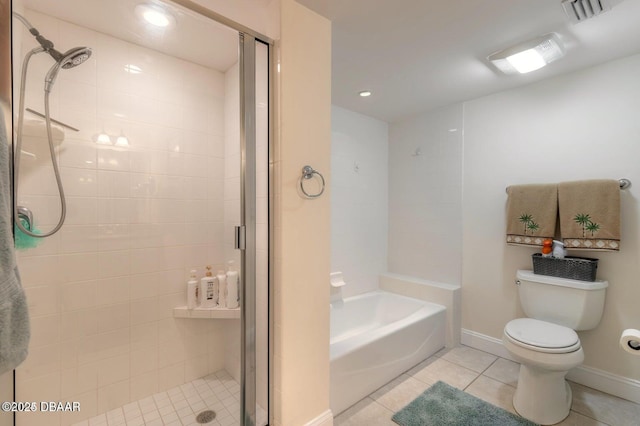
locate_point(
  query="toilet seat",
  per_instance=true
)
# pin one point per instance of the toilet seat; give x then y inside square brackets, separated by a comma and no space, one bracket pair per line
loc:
[541,336]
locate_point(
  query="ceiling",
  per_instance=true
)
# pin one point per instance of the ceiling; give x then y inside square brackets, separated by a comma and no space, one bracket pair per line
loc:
[418,55]
[193,38]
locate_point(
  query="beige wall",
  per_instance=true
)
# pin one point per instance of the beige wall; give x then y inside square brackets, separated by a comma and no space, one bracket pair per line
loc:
[259,15]
[583,125]
[302,233]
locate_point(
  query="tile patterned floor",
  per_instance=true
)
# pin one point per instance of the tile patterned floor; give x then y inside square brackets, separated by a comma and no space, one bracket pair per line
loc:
[487,377]
[180,405]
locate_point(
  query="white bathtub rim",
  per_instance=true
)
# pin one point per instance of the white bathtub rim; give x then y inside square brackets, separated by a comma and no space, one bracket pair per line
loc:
[377,292]
[352,343]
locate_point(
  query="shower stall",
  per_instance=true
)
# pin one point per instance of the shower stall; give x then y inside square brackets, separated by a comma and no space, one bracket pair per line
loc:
[141,153]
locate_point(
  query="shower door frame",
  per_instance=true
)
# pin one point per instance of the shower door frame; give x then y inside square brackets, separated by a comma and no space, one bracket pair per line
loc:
[246,232]
[7,380]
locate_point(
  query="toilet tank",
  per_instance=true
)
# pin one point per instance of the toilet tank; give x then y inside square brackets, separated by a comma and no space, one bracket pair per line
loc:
[571,303]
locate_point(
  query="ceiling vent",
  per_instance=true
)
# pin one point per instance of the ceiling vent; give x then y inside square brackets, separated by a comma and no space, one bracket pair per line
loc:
[581,10]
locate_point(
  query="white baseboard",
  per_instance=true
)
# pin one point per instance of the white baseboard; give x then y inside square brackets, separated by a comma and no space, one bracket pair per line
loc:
[324,419]
[603,381]
[484,343]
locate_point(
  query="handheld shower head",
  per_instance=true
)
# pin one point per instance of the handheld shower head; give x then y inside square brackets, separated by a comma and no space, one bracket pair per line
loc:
[74,57]
[70,59]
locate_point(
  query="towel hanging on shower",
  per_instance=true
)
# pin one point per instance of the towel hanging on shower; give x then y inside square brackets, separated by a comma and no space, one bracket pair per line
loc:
[14,317]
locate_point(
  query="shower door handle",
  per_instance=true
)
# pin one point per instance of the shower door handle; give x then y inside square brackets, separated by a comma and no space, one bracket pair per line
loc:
[240,238]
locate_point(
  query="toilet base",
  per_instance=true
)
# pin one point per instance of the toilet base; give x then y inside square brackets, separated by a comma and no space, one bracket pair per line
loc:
[542,396]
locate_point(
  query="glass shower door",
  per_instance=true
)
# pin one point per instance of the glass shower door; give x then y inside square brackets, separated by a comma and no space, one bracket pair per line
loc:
[253,235]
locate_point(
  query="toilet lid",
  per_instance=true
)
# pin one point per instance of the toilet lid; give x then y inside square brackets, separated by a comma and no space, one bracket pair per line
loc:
[546,336]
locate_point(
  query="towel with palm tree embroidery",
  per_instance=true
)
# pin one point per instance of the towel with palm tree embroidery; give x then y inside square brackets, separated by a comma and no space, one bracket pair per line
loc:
[531,213]
[590,214]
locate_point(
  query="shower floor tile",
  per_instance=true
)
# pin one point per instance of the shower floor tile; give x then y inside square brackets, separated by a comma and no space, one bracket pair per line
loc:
[180,405]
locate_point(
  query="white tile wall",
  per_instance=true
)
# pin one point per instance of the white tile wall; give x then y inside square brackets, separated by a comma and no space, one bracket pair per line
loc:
[359,199]
[425,196]
[100,292]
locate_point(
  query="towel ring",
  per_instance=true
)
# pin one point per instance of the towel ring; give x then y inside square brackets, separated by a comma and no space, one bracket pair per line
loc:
[307,173]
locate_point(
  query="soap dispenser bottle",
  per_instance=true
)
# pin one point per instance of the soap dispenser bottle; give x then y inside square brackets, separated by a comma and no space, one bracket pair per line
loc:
[559,252]
[232,286]
[208,290]
[192,290]
[222,282]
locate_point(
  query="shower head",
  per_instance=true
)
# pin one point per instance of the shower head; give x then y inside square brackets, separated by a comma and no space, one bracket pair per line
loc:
[70,59]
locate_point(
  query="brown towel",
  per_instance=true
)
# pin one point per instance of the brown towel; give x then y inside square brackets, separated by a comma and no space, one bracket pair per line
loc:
[590,214]
[531,213]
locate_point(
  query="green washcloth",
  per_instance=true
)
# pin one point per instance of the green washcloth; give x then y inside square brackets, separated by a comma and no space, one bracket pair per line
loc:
[24,241]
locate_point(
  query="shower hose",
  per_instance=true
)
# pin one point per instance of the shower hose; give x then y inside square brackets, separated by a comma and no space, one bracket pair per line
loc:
[18,150]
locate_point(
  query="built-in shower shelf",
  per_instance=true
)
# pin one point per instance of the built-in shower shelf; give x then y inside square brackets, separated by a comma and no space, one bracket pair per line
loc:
[206,313]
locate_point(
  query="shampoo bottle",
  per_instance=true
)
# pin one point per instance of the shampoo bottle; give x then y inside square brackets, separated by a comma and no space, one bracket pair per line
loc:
[192,290]
[222,282]
[208,290]
[232,286]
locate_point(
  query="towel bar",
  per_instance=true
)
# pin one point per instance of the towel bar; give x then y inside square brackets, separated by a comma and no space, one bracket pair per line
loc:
[624,184]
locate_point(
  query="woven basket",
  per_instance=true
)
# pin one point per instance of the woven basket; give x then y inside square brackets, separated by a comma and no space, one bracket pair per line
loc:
[576,268]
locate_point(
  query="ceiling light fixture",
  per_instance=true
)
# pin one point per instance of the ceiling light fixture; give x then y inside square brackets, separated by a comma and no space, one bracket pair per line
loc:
[154,15]
[528,56]
[365,93]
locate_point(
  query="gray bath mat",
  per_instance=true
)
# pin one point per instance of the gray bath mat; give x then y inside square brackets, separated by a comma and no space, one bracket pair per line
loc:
[443,405]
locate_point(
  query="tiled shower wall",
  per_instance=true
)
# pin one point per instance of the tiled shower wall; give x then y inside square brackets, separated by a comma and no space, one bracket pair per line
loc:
[359,199]
[425,195]
[102,290]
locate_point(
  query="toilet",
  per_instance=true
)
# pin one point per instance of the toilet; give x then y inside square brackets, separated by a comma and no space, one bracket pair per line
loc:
[546,343]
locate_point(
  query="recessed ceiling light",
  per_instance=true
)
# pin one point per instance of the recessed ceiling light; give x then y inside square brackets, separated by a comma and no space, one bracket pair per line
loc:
[365,93]
[154,15]
[528,56]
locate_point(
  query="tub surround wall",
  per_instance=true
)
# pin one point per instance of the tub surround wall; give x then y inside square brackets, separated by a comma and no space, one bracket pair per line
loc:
[447,295]
[531,134]
[425,196]
[359,202]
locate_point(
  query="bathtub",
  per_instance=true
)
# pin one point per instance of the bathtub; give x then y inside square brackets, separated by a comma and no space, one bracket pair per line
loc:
[377,336]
